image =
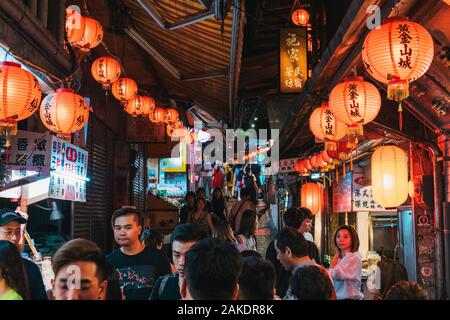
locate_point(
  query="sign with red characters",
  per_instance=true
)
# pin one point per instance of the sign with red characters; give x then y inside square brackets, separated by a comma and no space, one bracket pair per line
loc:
[68,158]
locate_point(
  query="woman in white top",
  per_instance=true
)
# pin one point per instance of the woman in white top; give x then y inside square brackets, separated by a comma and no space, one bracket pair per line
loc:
[247,229]
[346,265]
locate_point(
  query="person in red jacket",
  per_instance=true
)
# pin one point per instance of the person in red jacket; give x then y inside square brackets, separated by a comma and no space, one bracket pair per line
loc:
[217,176]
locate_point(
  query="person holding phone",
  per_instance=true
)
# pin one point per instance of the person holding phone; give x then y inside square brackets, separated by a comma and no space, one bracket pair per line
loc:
[346,265]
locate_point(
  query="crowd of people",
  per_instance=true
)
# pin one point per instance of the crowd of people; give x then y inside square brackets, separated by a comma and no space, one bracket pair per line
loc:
[212,256]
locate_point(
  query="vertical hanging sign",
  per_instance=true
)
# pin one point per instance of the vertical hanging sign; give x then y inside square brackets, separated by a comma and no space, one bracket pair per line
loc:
[293,59]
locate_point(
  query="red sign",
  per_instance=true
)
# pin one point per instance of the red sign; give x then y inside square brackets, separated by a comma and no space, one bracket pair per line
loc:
[71,154]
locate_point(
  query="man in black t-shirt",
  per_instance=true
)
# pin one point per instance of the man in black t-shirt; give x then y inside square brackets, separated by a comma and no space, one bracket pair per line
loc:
[10,222]
[138,266]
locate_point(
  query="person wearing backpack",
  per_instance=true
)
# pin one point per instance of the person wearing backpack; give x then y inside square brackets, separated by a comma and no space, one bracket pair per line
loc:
[238,209]
[183,238]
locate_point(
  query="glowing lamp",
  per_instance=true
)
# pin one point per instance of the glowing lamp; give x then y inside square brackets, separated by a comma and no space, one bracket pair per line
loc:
[389,176]
[64,112]
[311,197]
[106,70]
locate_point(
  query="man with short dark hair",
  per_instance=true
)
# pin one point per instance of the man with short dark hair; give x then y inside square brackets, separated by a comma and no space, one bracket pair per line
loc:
[298,220]
[10,222]
[138,266]
[211,271]
[312,283]
[257,279]
[292,251]
[80,271]
[183,238]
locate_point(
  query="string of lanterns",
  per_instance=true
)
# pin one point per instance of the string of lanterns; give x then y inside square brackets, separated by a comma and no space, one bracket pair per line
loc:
[397,53]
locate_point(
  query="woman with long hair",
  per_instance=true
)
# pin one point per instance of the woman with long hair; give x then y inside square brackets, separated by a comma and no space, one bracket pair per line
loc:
[201,216]
[217,205]
[13,279]
[346,265]
[223,231]
[247,230]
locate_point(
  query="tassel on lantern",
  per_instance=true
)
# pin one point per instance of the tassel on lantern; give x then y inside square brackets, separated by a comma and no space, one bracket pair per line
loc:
[65,137]
[343,171]
[8,128]
[337,175]
[356,130]
[330,145]
[400,116]
[398,89]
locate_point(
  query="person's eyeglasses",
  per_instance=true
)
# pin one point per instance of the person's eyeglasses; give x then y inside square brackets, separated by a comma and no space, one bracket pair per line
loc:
[10,234]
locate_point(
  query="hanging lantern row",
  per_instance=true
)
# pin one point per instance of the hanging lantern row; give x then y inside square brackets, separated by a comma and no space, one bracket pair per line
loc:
[87,33]
[83,32]
[323,161]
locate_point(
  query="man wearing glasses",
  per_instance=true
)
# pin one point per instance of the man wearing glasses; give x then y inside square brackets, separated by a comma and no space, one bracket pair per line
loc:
[10,222]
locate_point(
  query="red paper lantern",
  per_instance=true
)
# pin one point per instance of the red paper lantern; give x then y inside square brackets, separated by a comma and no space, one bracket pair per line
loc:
[139,105]
[299,166]
[355,102]
[313,161]
[106,70]
[92,36]
[307,164]
[157,115]
[20,95]
[325,126]
[64,112]
[397,53]
[124,89]
[300,17]
[75,26]
[320,162]
[171,115]
[326,157]
[311,196]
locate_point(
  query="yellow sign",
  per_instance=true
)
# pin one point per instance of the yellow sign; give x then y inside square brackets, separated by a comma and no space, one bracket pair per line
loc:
[293,59]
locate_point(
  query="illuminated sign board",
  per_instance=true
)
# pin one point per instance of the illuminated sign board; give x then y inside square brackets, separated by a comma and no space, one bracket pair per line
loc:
[293,60]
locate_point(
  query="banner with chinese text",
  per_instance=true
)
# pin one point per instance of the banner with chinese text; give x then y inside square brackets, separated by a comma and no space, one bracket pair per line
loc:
[362,199]
[29,153]
[293,59]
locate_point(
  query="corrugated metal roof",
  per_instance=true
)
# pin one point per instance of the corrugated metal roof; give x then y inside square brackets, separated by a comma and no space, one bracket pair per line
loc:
[200,48]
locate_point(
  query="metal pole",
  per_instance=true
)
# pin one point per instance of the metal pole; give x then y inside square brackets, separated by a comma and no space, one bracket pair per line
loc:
[438,225]
[234,38]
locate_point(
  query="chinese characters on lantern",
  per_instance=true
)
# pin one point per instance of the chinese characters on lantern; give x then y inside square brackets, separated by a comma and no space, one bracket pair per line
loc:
[292,59]
[353,97]
[329,123]
[406,52]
